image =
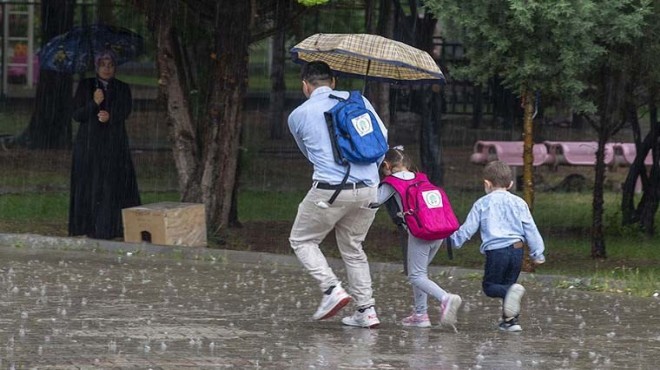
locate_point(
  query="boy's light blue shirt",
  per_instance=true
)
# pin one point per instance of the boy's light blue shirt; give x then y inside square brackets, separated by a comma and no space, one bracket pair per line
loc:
[503,219]
[309,129]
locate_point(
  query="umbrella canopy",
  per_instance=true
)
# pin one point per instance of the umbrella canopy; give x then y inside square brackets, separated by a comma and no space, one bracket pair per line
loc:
[74,51]
[370,56]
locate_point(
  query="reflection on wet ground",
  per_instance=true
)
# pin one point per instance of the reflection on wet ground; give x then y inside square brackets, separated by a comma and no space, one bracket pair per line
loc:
[68,309]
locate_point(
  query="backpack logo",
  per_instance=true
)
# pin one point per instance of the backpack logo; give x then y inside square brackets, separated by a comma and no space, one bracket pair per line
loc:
[432,198]
[363,124]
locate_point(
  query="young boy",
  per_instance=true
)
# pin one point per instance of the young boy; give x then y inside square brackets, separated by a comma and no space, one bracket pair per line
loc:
[505,223]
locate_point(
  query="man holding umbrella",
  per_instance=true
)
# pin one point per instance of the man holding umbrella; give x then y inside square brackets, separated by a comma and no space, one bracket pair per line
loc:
[349,215]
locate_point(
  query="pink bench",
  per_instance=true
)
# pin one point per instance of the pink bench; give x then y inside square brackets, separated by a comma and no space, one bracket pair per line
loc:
[510,152]
[626,153]
[578,153]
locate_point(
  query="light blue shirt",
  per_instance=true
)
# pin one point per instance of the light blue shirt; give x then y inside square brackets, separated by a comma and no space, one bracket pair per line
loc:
[503,219]
[309,129]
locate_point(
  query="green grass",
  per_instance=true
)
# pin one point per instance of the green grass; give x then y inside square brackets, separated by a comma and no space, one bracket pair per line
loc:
[34,199]
[631,267]
[11,122]
[31,209]
[136,80]
[268,206]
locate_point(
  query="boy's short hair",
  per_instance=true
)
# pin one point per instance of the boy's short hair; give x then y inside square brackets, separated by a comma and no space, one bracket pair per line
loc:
[498,173]
[317,73]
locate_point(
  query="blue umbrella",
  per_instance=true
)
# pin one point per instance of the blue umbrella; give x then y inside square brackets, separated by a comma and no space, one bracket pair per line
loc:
[74,51]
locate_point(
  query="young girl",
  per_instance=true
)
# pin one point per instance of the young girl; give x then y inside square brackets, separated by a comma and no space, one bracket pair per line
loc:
[419,253]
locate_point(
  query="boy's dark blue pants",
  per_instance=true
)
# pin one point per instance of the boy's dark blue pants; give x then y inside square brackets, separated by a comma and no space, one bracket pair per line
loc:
[502,270]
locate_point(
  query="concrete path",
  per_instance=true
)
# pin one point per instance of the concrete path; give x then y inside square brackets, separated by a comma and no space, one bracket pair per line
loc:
[83,304]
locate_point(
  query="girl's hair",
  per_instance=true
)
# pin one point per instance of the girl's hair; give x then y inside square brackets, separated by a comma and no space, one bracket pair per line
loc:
[396,157]
[498,173]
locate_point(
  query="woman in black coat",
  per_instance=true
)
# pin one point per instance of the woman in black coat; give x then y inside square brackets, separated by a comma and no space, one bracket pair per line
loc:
[103,180]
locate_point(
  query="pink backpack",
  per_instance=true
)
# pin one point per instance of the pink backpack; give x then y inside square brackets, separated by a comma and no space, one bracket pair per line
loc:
[426,208]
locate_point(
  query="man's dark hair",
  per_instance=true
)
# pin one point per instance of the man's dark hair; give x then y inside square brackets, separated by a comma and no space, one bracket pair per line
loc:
[317,73]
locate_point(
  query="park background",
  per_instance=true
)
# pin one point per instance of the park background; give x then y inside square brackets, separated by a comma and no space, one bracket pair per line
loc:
[273,176]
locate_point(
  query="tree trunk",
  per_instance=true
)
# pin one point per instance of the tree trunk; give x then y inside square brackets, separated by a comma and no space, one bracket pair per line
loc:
[649,205]
[227,91]
[597,236]
[611,117]
[636,171]
[172,86]
[431,130]
[278,86]
[528,146]
[369,10]
[528,163]
[104,12]
[50,124]
[505,106]
[430,143]
[206,151]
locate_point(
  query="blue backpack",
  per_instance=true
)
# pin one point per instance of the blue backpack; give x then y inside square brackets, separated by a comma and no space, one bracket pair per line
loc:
[355,134]
[354,131]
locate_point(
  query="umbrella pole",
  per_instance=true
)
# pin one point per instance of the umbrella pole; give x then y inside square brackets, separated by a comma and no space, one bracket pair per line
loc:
[364,86]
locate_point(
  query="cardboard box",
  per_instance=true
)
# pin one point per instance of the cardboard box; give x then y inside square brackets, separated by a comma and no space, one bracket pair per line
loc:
[166,223]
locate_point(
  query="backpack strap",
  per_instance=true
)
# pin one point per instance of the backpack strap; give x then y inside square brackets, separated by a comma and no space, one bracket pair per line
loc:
[392,207]
[332,96]
[329,120]
[343,182]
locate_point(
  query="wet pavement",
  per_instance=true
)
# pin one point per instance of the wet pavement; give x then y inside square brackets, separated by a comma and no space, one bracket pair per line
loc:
[75,303]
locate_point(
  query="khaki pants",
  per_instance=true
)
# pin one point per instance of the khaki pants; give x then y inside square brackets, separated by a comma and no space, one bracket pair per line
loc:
[351,218]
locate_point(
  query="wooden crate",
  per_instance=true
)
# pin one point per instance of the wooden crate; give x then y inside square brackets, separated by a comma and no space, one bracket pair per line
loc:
[166,223]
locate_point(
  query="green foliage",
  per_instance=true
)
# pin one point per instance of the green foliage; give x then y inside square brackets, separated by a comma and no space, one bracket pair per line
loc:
[544,46]
[336,17]
[312,2]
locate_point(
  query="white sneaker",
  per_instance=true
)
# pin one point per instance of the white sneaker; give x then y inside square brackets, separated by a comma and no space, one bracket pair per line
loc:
[450,309]
[365,319]
[417,321]
[512,300]
[511,325]
[332,303]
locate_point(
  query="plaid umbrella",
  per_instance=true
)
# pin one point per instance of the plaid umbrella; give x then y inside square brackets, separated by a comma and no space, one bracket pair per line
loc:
[369,56]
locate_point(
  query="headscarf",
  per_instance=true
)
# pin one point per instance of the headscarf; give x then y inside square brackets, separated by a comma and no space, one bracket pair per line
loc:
[105,54]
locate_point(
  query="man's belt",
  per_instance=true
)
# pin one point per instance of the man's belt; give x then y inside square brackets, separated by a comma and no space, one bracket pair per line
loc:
[347,186]
[517,245]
